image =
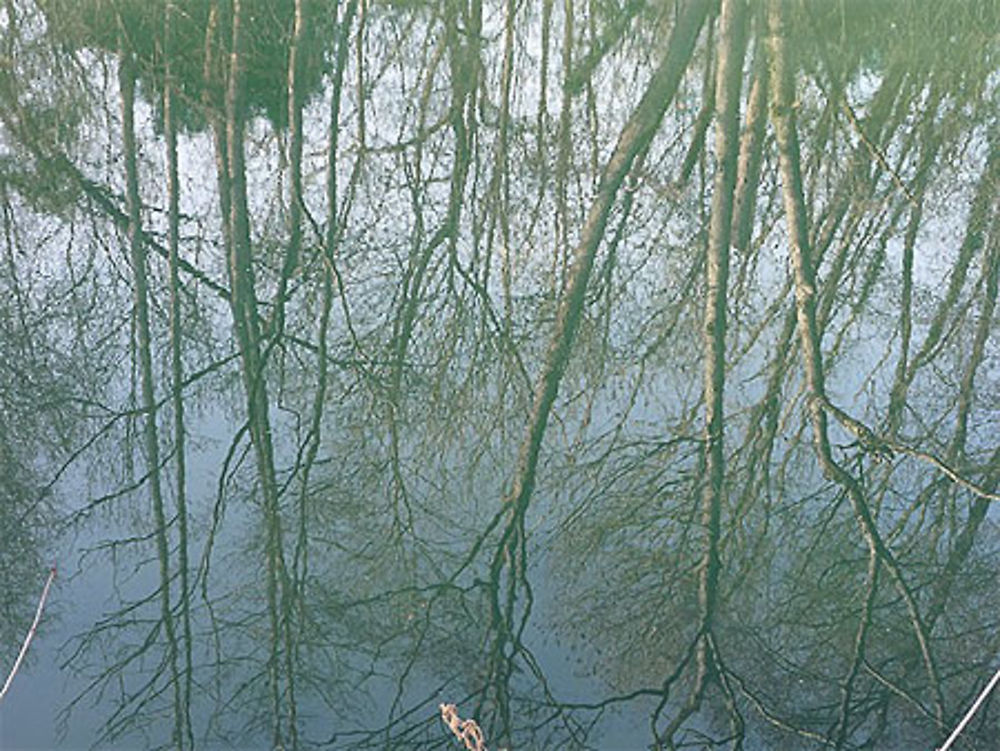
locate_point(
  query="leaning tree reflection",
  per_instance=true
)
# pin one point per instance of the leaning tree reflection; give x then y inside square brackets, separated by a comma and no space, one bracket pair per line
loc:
[422,348]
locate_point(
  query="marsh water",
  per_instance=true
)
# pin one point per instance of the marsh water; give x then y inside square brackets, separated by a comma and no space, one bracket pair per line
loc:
[627,376]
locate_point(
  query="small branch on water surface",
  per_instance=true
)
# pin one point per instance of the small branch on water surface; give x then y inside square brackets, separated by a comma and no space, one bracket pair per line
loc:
[467,731]
[972,711]
[31,632]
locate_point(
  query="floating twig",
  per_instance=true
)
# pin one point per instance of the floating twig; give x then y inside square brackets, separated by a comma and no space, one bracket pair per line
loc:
[31,633]
[972,711]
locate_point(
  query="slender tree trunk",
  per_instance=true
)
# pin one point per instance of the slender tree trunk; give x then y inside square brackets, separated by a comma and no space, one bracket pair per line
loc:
[783,117]
[860,650]
[974,240]
[727,101]
[563,156]
[542,116]
[331,242]
[176,364]
[930,143]
[848,192]
[502,169]
[295,106]
[693,157]
[729,73]
[633,139]
[897,396]
[751,155]
[977,511]
[292,251]
[248,335]
[137,256]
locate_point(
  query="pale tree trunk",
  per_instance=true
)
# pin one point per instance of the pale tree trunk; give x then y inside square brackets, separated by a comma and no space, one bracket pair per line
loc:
[564,151]
[500,189]
[729,77]
[729,73]
[783,118]
[247,327]
[930,143]
[137,258]
[464,61]
[295,106]
[290,589]
[176,365]
[633,140]
[331,242]
[751,155]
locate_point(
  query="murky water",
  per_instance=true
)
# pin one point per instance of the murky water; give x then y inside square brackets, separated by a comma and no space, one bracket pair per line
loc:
[637,389]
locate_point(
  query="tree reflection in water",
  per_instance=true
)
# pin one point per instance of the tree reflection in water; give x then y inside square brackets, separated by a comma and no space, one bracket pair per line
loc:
[625,376]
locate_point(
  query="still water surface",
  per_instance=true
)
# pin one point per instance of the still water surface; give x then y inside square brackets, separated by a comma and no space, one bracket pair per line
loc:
[517,421]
